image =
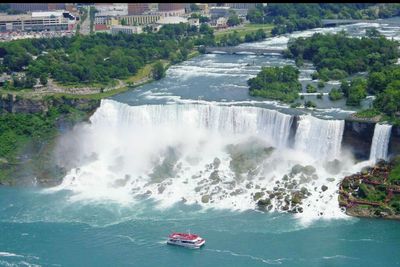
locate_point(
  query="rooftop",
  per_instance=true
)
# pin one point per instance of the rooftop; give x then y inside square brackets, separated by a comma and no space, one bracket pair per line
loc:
[172,20]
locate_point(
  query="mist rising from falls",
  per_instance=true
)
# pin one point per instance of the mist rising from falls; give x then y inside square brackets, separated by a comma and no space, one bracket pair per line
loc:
[380,142]
[213,155]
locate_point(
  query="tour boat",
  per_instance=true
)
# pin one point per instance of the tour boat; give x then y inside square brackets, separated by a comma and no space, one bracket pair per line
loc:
[186,240]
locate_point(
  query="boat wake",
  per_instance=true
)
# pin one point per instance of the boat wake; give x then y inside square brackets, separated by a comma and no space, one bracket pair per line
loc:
[266,261]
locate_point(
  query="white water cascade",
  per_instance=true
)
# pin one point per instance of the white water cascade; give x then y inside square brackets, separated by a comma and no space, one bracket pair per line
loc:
[320,138]
[270,125]
[209,154]
[380,142]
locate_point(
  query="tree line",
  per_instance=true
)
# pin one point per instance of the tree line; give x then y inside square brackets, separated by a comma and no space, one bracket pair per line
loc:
[98,58]
[300,16]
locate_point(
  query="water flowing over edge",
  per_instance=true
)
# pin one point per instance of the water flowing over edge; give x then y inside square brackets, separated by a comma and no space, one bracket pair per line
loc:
[186,153]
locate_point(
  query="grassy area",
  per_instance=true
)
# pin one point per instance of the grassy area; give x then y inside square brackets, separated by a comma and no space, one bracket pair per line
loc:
[136,80]
[141,74]
[367,113]
[243,30]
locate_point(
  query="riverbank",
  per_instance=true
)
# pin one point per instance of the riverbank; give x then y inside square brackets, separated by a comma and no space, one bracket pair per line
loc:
[27,160]
[29,129]
[374,192]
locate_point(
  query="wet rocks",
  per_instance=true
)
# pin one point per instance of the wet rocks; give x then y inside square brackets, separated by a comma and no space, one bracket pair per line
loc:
[258,195]
[264,204]
[216,163]
[308,170]
[237,192]
[246,158]
[296,169]
[333,167]
[205,198]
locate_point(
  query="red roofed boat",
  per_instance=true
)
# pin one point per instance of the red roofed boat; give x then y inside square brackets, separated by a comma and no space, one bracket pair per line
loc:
[186,240]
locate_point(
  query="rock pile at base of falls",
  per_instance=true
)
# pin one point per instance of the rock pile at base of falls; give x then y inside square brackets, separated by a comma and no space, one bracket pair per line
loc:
[289,193]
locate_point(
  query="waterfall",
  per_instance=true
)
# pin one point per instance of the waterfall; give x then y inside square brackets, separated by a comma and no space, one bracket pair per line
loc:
[270,125]
[208,154]
[319,138]
[380,142]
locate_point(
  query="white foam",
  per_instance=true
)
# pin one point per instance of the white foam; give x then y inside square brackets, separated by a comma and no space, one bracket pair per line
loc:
[162,152]
[9,254]
[380,142]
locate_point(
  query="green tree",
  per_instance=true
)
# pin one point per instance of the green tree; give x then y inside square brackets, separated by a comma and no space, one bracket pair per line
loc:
[158,71]
[335,94]
[233,20]
[355,91]
[43,79]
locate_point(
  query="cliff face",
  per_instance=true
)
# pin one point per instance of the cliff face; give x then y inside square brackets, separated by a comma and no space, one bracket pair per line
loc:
[357,136]
[34,164]
[394,143]
[15,104]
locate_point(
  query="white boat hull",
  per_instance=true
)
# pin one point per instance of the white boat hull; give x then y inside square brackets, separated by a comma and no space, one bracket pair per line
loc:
[187,245]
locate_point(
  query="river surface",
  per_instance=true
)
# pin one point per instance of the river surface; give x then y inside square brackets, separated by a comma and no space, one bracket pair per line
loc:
[140,171]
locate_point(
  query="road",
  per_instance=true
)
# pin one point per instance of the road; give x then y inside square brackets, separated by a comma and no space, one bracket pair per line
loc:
[85,26]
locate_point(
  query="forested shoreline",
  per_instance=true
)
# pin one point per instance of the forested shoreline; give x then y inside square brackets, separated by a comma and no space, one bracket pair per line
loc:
[288,18]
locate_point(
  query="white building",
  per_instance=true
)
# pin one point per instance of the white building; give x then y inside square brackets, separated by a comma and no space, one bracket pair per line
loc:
[106,11]
[171,20]
[221,22]
[126,29]
[194,22]
[38,21]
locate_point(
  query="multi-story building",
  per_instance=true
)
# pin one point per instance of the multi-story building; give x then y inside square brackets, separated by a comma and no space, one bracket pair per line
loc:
[37,21]
[126,29]
[171,20]
[217,12]
[241,9]
[140,19]
[171,9]
[138,8]
[241,5]
[30,7]
[203,8]
[107,11]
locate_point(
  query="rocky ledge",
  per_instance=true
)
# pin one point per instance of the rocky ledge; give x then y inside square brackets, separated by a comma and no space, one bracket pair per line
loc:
[374,192]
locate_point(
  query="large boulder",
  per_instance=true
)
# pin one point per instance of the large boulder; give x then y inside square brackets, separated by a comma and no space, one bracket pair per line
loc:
[205,198]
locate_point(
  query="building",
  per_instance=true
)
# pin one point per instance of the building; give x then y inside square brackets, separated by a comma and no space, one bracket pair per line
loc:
[138,8]
[111,10]
[100,28]
[71,8]
[140,19]
[153,7]
[217,12]
[107,11]
[194,22]
[221,22]
[30,7]
[171,9]
[38,21]
[126,29]
[171,20]
[241,5]
[241,9]
[203,8]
